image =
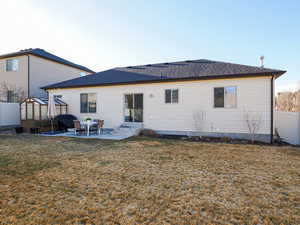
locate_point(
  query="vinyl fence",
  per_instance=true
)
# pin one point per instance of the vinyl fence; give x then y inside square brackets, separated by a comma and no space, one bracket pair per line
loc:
[288,126]
[9,114]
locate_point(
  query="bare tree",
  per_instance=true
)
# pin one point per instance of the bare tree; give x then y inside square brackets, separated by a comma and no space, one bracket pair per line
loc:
[288,101]
[18,93]
[253,121]
[285,101]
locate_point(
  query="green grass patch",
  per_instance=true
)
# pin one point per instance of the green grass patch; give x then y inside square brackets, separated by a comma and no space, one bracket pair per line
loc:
[12,166]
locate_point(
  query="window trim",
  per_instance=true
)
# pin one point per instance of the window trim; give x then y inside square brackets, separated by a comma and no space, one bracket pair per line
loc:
[88,111]
[171,98]
[6,62]
[224,107]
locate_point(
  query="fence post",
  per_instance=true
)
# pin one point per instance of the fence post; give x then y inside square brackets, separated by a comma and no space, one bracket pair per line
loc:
[0,113]
[298,130]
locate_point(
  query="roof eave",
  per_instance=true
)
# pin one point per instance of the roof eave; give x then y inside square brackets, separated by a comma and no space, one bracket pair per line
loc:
[211,77]
[13,55]
[280,73]
[37,55]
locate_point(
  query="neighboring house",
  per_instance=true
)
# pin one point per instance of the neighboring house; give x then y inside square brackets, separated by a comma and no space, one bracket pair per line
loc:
[23,73]
[194,97]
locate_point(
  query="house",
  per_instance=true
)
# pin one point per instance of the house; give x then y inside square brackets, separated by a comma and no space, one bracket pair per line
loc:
[193,97]
[23,73]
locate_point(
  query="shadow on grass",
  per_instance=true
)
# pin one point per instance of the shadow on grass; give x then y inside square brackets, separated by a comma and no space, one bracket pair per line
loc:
[13,166]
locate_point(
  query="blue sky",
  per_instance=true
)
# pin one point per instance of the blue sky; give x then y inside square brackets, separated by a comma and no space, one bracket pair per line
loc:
[105,34]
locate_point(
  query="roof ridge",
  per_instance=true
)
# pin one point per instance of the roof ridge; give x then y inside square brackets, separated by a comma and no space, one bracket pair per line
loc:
[193,61]
[239,64]
[165,63]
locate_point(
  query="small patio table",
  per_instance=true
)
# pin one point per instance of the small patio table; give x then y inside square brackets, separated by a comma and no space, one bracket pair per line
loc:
[88,124]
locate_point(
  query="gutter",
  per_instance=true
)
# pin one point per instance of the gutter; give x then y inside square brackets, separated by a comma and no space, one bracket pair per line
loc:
[272,111]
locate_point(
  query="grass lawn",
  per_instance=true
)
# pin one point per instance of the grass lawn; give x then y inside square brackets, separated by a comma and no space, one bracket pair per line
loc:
[52,180]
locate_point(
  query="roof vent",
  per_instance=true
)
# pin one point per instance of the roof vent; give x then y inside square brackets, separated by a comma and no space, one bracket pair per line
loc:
[188,61]
[166,63]
[27,49]
[261,59]
[148,65]
[129,67]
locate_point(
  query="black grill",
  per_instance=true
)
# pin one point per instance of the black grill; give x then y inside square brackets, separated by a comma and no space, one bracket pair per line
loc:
[65,121]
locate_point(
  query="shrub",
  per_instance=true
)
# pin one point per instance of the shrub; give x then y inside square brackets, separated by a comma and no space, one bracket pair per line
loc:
[226,139]
[148,133]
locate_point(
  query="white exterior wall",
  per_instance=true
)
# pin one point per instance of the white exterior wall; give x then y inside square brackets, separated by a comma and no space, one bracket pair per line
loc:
[9,114]
[45,72]
[14,80]
[288,126]
[253,94]
[42,72]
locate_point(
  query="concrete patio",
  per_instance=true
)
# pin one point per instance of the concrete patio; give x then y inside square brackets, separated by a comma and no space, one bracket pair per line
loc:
[107,134]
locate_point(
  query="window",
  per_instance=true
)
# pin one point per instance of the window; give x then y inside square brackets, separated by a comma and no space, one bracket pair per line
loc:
[219,97]
[57,96]
[11,96]
[171,96]
[12,65]
[133,110]
[225,97]
[88,103]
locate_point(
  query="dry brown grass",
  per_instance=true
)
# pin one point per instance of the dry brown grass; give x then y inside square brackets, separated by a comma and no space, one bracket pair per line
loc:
[146,181]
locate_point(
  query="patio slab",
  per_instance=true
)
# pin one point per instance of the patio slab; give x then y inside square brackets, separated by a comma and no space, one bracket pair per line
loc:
[106,136]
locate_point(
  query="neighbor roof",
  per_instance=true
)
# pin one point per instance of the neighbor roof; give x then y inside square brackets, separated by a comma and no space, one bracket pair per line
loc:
[160,72]
[46,55]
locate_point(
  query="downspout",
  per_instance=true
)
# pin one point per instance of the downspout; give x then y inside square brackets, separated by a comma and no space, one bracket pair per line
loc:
[28,72]
[272,111]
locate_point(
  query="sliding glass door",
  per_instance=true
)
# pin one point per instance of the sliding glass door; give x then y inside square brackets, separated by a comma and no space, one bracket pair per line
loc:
[133,108]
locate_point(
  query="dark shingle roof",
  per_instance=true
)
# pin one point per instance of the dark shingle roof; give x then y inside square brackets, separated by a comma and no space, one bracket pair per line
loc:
[184,70]
[195,68]
[42,53]
[107,77]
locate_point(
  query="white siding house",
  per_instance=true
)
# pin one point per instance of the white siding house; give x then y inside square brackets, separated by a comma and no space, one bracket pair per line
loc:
[23,73]
[193,112]
[194,97]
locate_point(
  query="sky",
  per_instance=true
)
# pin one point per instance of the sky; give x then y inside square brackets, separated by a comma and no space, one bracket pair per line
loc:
[106,34]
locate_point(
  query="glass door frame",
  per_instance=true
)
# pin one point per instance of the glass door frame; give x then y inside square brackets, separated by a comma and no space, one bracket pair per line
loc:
[133,103]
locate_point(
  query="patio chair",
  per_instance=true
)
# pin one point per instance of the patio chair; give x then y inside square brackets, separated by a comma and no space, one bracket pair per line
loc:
[94,127]
[77,127]
[98,128]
